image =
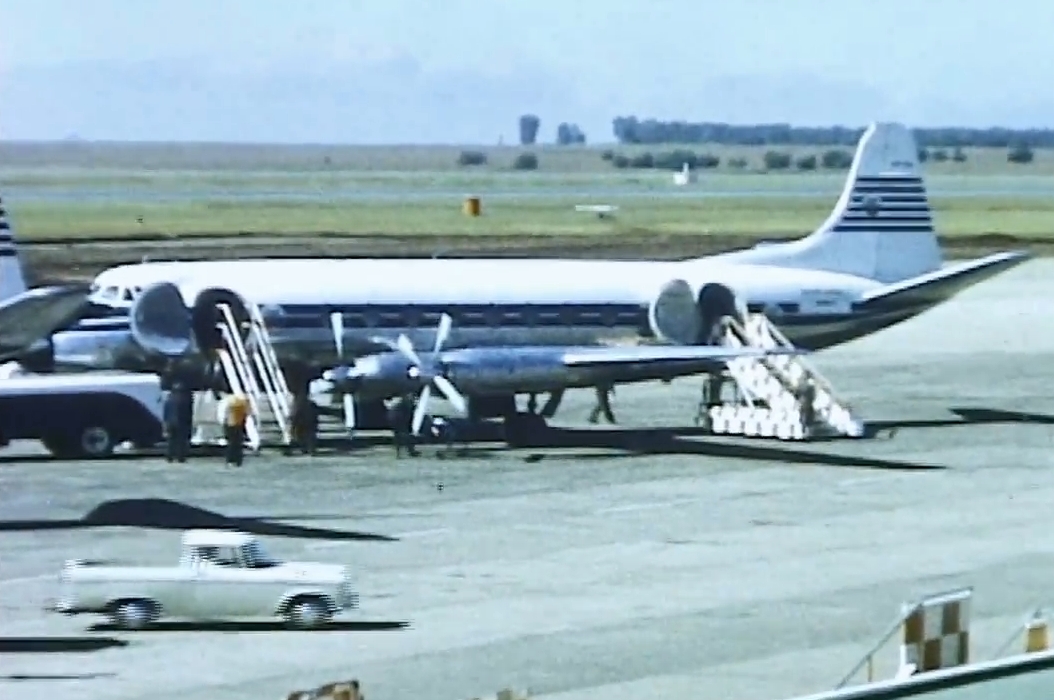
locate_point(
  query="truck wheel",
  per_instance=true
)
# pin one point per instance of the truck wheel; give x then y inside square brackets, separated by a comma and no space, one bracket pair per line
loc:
[96,441]
[92,441]
[307,613]
[132,614]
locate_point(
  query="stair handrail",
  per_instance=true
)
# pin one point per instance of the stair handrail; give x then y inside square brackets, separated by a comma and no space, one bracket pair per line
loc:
[868,658]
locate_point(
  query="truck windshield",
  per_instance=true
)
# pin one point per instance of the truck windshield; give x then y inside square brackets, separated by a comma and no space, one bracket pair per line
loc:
[256,557]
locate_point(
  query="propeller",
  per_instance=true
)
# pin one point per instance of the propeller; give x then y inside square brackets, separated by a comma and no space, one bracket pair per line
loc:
[417,371]
[336,322]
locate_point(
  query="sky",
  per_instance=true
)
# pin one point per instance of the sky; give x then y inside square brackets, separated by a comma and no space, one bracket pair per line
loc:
[462,71]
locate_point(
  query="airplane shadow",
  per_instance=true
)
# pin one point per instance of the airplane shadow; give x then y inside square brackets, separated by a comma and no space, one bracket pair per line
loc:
[697,441]
[163,514]
[57,645]
[261,626]
[965,416]
[691,441]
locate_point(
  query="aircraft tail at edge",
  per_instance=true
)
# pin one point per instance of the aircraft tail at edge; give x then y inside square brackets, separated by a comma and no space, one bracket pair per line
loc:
[881,227]
[12,279]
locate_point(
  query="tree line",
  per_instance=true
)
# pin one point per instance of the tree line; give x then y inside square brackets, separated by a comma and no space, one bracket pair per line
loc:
[771,160]
[633,130]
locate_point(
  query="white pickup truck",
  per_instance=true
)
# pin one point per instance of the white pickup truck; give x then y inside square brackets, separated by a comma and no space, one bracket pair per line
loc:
[221,575]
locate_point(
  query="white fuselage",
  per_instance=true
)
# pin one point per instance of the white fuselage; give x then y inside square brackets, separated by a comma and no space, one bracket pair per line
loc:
[498,301]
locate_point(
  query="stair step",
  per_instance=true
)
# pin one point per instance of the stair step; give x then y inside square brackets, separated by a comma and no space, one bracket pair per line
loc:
[777,391]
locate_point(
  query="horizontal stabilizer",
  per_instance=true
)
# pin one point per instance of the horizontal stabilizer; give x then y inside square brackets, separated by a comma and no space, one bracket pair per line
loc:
[647,354]
[932,288]
[35,314]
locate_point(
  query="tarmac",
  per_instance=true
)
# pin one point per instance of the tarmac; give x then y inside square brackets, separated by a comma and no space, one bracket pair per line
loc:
[647,564]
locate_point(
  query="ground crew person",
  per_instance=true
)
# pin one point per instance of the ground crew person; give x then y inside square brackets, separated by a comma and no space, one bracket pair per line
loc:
[179,419]
[233,414]
[304,423]
[603,405]
[400,416]
[807,397]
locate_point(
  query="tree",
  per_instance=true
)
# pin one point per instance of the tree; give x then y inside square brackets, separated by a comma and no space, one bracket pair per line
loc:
[924,155]
[1020,154]
[529,125]
[525,161]
[776,160]
[958,155]
[806,163]
[472,158]
[567,134]
[836,159]
[939,155]
[642,160]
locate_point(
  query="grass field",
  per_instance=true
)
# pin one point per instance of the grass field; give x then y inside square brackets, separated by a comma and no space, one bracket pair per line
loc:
[346,158]
[80,207]
[1027,218]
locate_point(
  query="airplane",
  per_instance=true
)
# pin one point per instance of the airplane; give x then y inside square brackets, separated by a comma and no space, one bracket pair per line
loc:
[875,262]
[29,315]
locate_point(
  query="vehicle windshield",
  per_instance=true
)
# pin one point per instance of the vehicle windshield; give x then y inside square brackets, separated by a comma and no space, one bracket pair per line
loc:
[256,557]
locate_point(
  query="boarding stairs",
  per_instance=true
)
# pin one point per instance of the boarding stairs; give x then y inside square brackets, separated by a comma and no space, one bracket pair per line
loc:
[250,369]
[772,391]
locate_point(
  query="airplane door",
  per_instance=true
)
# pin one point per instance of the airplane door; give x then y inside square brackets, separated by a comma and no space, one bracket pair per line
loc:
[825,301]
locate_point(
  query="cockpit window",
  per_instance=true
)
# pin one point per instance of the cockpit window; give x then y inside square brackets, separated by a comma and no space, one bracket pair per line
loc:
[126,295]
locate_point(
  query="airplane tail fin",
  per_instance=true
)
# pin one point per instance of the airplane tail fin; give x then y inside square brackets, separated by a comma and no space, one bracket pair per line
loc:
[12,280]
[881,227]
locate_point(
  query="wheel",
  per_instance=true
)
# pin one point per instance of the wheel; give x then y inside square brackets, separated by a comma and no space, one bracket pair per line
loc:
[96,441]
[307,613]
[132,614]
[92,441]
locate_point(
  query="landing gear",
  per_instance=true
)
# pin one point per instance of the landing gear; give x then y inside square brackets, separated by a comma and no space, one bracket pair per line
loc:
[519,426]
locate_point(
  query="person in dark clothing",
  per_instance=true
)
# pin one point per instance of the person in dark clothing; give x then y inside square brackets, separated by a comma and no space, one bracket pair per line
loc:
[603,405]
[400,416]
[304,420]
[179,420]
[807,398]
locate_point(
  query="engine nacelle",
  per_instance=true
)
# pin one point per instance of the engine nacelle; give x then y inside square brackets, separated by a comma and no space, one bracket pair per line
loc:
[673,315]
[715,302]
[178,323]
[677,315]
[205,316]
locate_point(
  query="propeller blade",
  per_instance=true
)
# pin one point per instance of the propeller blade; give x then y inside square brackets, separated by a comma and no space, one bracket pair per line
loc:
[349,412]
[445,322]
[422,407]
[336,322]
[406,348]
[452,394]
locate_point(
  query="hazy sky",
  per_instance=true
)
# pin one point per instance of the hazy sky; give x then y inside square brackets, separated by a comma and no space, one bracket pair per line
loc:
[463,70]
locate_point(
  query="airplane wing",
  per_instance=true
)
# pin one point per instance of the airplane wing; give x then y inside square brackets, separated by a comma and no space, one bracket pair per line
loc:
[37,313]
[662,354]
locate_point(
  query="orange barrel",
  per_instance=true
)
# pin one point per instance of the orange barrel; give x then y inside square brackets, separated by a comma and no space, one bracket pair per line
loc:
[472,206]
